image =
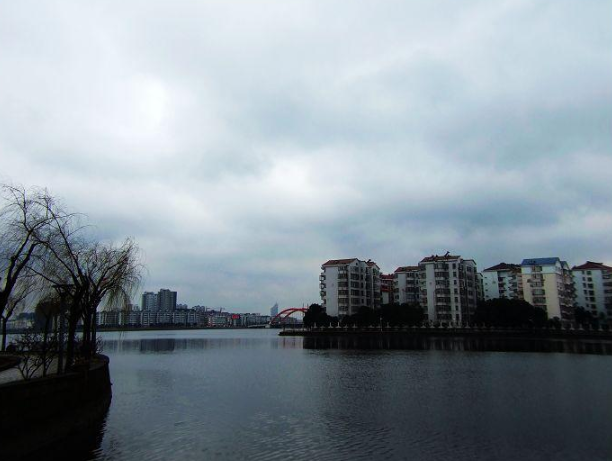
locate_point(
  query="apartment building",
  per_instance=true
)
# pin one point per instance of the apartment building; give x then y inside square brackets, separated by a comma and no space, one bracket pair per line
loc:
[502,281]
[406,288]
[167,300]
[386,289]
[548,283]
[449,288]
[150,301]
[593,283]
[348,284]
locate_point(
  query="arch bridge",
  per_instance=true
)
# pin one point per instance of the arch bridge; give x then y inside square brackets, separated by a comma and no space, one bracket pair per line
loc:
[280,318]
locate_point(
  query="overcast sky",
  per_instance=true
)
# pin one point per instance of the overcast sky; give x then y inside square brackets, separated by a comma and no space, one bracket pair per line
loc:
[244,143]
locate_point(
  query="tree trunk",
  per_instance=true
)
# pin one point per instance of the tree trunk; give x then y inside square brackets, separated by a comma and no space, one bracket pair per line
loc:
[72,324]
[94,328]
[3,320]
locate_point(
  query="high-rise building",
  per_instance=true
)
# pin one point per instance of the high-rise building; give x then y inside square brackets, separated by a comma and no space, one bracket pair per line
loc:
[166,300]
[348,284]
[593,283]
[150,301]
[406,288]
[449,288]
[548,283]
[503,281]
[274,310]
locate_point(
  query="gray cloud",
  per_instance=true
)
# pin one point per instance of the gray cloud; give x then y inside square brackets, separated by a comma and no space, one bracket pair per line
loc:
[242,144]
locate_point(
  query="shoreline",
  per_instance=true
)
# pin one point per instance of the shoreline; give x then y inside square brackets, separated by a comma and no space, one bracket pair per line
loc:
[456,332]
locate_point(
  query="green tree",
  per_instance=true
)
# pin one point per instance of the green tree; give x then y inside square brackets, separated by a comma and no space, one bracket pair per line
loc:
[316,315]
[504,312]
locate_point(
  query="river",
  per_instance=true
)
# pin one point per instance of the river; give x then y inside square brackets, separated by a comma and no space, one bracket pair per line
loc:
[250,394]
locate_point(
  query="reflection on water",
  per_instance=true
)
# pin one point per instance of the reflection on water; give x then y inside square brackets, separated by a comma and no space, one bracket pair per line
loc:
[160,345]
[82,445]
[460,344]
[248,395]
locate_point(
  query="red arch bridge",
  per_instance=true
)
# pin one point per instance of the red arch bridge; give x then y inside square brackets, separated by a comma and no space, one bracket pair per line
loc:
[283,315]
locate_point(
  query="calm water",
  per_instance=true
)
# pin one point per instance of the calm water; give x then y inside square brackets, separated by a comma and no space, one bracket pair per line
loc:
[249,394]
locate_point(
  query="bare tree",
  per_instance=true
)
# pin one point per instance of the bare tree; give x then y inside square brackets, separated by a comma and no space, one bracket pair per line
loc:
[37,237]
[23,222]
[23,290]
[88,273]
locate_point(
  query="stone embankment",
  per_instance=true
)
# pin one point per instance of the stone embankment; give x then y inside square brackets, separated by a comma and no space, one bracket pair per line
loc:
[41,412]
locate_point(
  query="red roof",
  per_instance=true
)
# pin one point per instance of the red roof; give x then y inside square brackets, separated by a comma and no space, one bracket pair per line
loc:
[590,265]
[338,262]
[407,268]
[503,267]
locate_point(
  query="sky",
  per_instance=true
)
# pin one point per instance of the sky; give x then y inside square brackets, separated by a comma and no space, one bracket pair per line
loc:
[244,143]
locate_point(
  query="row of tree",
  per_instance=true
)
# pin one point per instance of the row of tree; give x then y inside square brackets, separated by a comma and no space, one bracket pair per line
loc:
[496,312]
[50,258]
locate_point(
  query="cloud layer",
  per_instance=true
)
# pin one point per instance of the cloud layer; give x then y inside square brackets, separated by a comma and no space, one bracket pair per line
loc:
[244,143]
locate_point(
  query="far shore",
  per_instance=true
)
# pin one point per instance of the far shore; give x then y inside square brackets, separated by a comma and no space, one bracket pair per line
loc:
[544,333]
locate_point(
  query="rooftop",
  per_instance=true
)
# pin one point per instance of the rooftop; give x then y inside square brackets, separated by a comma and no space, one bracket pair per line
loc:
[552,260]
[590,265]
[339,262]
[434,258]
[503,267]
[407,268]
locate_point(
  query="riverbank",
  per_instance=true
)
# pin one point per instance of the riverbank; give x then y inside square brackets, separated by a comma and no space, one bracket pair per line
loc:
[544,333]
[43,412]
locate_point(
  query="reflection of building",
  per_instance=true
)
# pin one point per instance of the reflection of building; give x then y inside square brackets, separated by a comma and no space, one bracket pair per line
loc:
[449,288]
[593,282]
[548,283]
[503,281]
[348,284]
[406,288]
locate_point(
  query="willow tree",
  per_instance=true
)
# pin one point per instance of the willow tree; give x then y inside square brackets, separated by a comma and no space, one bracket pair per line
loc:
[86,273]
[24,222]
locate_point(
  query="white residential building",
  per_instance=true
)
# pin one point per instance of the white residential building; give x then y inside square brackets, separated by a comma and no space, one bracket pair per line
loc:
[548,283]
[449,288]
[406,287]
[386,289]
[348,284]
[593,283]
[503,281]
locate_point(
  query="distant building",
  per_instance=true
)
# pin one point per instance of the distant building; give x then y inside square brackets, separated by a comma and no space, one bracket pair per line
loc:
[348,284]
[548,283]
[167,300]
[274,310]
[503,281]
[149,301]
[449,288]
[593,283]
[406,287]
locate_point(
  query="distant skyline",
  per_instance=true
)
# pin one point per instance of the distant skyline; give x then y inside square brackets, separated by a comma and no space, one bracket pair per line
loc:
[242,144]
